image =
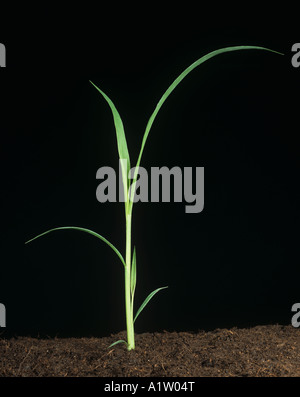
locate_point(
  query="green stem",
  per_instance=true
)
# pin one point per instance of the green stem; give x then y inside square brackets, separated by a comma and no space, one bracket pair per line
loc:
[128,301]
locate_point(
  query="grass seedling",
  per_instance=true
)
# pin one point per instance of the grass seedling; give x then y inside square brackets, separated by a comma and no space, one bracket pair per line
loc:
[129,263]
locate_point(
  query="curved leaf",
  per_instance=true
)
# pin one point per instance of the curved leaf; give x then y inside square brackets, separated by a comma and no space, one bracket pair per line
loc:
[83,230]
[117,342]
[175,84]
[121,140]
[150,296]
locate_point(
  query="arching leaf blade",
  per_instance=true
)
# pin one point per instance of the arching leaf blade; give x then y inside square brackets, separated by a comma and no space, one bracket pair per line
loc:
[82,230]
[175,84]
[146,301]
[117,342]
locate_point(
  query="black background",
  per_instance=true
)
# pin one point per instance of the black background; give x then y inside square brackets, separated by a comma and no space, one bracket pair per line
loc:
[235,263]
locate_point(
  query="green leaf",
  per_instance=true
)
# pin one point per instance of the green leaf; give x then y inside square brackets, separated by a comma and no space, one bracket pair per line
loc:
[121,140]
[175,84]
[118,341]
[83,230]
[133,275]
[150,296]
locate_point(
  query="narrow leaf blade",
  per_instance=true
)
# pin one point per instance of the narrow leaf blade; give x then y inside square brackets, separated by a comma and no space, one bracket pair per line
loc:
[83,230]
[146,301]
[117,342]
[175,84]
[133,274]
[121,138]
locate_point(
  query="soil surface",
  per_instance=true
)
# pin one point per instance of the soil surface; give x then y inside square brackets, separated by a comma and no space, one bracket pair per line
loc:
[261,351]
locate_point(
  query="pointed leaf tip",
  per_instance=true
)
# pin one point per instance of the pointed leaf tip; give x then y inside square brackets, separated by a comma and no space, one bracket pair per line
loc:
[146,301]
[86,231]
[117,342]
[121,138]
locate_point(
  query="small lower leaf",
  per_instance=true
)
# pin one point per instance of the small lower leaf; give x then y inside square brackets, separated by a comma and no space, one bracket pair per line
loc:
[133,274]
[150,296]
[117,342]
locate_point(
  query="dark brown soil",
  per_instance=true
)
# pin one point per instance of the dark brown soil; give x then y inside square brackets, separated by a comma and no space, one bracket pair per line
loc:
[262,351]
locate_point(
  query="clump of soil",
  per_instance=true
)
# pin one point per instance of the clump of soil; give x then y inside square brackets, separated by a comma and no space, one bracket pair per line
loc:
[261,351]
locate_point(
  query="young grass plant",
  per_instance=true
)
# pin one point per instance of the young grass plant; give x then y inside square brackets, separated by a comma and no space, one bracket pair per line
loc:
[129,263]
